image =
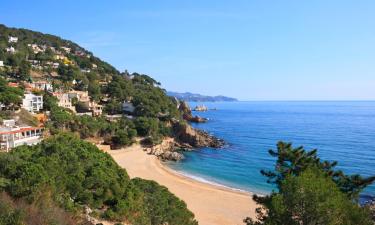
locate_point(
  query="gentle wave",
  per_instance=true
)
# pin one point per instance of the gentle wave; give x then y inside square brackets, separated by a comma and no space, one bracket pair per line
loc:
[213,183]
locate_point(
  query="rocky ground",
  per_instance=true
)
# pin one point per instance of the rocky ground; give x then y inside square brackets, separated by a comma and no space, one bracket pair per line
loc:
[186,138]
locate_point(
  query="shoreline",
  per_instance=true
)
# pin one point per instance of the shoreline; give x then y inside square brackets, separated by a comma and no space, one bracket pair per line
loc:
[211,204]
[202,180]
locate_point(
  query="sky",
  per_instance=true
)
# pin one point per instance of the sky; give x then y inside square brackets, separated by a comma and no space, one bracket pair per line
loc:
[250,49]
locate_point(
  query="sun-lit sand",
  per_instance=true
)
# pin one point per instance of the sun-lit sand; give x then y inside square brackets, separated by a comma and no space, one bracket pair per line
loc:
[212,205]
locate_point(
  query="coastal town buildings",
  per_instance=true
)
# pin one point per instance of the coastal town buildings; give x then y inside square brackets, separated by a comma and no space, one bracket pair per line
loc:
[66,49]
[13,39]
[10,50]
[32,103]
[42,85]
[64,100]
[12,136]
[95,108]
[81,96]
[36,48]
[1,63]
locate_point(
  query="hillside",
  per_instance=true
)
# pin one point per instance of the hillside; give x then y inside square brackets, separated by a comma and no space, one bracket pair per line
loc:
[28,58]
[191,97]
[73,91]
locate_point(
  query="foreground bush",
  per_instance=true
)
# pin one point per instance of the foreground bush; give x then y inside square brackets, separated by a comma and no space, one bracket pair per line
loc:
[310,191]
[78,174]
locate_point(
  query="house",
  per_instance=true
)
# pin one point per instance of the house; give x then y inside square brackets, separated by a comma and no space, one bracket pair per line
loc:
[12,136]
[42,85]
[55,65]
[36,49]
[13,84]
[10,49]
[81,96]
[66,49]
[128,107]
[94,66]
[32,103]
[1,63]
[95,108]
[64,100]
[85,70]
[12,39]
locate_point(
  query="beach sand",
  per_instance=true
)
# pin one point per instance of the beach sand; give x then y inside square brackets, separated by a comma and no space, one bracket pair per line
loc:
[212,205]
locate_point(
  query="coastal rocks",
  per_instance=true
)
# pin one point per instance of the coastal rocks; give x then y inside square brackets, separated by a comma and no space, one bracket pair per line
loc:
[187,115]
[187,135]
[166,150]
[200,108]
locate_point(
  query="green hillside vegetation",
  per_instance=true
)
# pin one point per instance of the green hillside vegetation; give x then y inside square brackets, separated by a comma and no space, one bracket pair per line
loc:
[103,82]
[310,191]
[74,174]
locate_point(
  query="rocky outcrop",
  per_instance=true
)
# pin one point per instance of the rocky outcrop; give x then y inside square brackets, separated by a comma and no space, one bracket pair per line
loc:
[167,150]
[188,136]
[187,115]
[200,108]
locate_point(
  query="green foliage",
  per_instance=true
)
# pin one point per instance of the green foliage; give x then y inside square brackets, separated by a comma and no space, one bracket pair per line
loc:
[146,126]
[120,88]
[68,73]
[312,198]
[77,173]
[151,128]
[162,206]
[11,97]
[113,107]
[310,191]
[49,102]
[293,161]
[123,138]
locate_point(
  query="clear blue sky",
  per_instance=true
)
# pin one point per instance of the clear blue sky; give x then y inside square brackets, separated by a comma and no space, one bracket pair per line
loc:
[250,49]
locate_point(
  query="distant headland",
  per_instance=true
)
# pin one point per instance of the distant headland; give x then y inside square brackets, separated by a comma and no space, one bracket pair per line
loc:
[191,97]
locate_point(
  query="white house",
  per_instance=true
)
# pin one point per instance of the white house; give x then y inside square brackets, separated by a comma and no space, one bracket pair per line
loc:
[12,39]
[55,65]
[32,103]
[66,49]
[12,136]
[10,49]
[1,63]
[42,85]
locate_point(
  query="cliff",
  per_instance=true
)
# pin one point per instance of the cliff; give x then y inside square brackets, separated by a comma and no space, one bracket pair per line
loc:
[185,110]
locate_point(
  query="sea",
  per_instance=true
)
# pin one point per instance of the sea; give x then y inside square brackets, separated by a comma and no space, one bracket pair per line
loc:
[342,131]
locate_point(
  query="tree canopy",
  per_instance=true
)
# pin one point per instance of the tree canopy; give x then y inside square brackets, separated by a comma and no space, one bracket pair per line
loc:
[310,191]
[79,174]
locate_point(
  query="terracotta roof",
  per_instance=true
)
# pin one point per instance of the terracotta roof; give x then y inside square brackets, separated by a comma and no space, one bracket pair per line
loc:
[11,84]
[20,130]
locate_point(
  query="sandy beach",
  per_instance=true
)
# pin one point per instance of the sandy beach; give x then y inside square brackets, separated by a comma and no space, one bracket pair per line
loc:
[212,205]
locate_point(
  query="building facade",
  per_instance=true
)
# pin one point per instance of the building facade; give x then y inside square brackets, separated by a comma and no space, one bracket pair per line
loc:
[12,136]
[32,103]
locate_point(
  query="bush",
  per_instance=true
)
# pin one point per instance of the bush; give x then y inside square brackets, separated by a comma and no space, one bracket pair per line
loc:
[74,173]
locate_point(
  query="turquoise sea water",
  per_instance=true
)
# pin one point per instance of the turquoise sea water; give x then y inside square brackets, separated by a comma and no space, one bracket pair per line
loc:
[342,131]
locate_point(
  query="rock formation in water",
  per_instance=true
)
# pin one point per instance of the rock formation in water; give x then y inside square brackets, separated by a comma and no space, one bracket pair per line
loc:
[187,115]
[194,138]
